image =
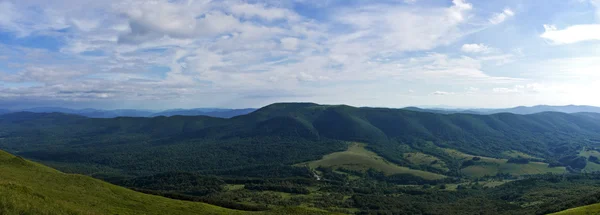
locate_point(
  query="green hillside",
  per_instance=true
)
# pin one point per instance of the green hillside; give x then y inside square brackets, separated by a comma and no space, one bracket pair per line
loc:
[30,188]
[584,210]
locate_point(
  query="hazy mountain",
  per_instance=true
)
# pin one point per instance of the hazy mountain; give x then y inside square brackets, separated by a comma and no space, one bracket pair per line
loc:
[97,113]
[3,111]
[214,112]
[515,110]
[547,108]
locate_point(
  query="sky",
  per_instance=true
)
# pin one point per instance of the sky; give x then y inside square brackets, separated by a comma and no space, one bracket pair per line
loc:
[159,54]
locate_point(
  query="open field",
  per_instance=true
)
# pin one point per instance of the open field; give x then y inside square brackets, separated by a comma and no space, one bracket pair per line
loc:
[425,159]
[356,157]
[492,166]
[590,166]
[517,154]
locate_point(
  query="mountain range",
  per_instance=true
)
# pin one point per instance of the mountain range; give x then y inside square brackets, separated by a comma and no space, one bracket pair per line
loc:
[514,110]
[228,113]
[97,113]
[336,158]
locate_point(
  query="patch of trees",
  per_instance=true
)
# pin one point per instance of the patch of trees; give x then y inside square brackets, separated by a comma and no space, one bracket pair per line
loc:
[575,162]
[280,188]
[594,159]
[226,203]
[518,160]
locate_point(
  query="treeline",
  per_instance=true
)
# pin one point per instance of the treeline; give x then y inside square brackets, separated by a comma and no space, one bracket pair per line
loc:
[226,203]
[281,188]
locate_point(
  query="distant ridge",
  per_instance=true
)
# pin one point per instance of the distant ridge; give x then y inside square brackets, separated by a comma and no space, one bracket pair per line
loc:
[515,110]
[97,113]
[229,113]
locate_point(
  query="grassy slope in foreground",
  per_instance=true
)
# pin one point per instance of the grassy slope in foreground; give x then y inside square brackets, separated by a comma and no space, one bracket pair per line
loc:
[359,158]
[589,209]
[31,188]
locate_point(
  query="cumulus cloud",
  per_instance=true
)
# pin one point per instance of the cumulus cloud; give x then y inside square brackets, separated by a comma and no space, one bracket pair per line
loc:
[475,48]
[256,10]
[388,29]
[136,50]
[502,16]
[571,34]
[574,33]
[442,93]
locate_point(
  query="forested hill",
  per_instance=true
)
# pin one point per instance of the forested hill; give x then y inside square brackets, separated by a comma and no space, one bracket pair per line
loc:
[548,134]
[276,134]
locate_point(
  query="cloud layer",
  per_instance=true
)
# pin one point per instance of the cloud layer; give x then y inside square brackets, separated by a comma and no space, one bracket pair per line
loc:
[135,53]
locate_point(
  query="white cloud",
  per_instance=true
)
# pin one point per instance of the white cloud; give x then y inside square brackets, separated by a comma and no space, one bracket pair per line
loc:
[289,43]
[442,93]
[256,10]
[472,89]
[394,29]
[188,49]
[502,16]
[528,88]
[475,48]
[572,34]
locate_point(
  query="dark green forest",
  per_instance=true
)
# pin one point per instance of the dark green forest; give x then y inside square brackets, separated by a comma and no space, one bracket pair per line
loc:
[484,164]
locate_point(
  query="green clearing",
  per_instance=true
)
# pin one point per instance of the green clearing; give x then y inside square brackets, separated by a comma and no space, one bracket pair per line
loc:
[517,154]
[587,152]
[492,166]
[234,187]
[419,158]
[356,157]
[31,188]
[590,166]
[486,184]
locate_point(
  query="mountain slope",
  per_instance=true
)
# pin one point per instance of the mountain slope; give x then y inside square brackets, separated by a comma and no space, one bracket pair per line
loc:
[31,188]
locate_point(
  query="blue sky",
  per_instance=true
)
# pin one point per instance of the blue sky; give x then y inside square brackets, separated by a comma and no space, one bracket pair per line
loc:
[199,53]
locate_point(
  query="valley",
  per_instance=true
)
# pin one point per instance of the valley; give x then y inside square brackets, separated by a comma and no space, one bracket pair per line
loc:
[315,158]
